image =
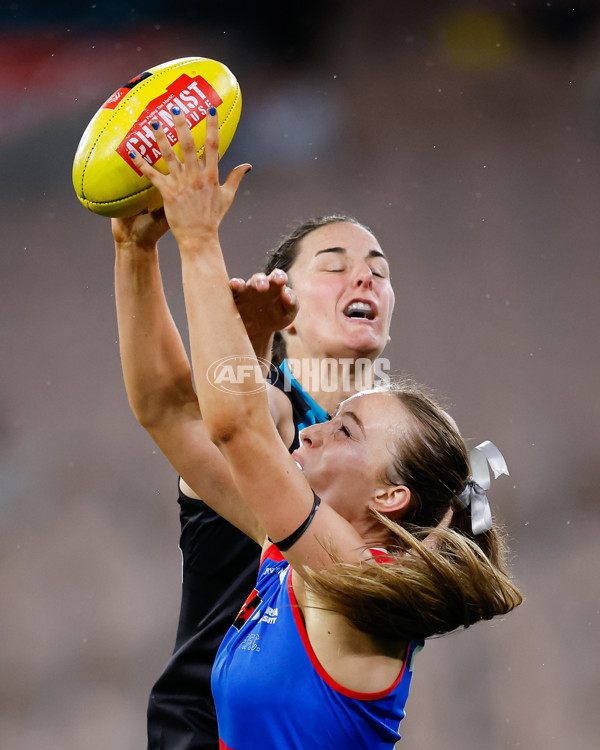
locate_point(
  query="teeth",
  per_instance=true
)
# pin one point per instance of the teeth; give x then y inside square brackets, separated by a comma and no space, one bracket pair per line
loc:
[298,465]
[359,307]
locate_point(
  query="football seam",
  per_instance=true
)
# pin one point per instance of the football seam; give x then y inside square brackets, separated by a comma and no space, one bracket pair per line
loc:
[150,187]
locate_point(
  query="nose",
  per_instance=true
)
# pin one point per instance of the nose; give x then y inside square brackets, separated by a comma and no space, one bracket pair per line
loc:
[363,277]
[312,436]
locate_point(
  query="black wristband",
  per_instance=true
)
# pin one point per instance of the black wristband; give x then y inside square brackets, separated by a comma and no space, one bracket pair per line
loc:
[286,543]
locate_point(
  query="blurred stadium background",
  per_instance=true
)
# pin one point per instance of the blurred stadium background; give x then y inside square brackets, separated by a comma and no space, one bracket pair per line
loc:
[467,135]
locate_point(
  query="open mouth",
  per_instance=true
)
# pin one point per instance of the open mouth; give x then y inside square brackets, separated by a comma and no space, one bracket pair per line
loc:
[360,311]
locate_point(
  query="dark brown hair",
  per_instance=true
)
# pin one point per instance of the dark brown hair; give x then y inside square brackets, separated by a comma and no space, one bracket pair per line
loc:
[284,256]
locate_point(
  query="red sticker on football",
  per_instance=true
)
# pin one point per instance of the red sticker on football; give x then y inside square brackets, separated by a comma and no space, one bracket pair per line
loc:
[113,101]
[194,96]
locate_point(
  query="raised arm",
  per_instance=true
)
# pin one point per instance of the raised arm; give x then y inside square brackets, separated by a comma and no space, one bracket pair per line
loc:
[237,418]
[157,372]
[156,369]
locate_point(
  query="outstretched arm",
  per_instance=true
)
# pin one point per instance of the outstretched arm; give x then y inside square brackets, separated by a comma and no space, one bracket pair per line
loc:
[157,371]
[237,418]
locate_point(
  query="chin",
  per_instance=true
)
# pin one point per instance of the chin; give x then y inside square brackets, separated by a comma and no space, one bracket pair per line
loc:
[365,344]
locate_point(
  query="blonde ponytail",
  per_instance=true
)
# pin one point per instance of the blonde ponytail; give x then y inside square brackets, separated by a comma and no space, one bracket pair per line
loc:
[435,579]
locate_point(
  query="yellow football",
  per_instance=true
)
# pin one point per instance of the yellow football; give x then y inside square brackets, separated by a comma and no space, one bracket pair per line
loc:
[104,177]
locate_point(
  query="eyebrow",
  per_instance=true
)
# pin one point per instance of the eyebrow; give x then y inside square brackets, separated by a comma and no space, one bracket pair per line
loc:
[343,251]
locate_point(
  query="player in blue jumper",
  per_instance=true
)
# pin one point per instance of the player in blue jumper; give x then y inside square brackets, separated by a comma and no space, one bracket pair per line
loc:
[372,514]
[346,300]
[181,712]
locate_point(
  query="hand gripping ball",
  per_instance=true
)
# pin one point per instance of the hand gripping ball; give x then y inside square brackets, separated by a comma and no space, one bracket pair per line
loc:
[104,177]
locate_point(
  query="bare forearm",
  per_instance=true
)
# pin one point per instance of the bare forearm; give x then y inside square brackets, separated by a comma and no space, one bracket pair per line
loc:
[156,369]
[216,332]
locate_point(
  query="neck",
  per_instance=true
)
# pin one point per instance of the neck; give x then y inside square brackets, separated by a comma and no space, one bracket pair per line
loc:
[331,380]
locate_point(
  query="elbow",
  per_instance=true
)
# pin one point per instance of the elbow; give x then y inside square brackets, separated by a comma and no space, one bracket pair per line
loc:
[162,406]
[234,419]
[224,431]
[227,426]
[146,412]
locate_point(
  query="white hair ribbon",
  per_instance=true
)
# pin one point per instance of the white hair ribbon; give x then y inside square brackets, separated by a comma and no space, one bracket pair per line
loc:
[474,495]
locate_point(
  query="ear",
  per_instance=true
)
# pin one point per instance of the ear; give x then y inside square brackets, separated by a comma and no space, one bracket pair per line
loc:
[391,501]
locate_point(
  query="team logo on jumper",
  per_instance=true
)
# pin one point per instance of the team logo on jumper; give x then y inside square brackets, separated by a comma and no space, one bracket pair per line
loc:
[229,373]
[270,615]
[249,643]
[247,610]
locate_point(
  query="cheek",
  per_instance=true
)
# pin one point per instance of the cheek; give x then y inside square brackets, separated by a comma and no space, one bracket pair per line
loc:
[389,302]
[318,299]
[352,467]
